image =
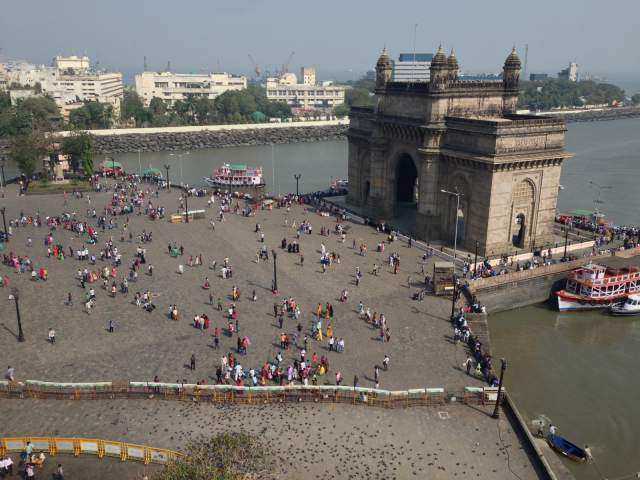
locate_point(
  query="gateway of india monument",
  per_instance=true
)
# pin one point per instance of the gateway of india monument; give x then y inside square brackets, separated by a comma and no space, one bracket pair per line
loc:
[463,137]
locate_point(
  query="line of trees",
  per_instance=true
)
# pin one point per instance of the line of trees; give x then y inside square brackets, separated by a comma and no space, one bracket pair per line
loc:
[553,93]
[234,106]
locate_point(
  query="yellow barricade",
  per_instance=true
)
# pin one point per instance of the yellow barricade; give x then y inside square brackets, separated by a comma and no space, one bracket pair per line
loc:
[89,446]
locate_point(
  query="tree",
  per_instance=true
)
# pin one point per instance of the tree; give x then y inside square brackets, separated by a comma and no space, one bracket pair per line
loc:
[636,99]
[80,147]
[131,107]
[28,150]
[228,456]
[341,110]
[92,115]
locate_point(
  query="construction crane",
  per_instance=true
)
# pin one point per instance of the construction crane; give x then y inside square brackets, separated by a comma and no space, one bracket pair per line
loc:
[285,66]
[256,67]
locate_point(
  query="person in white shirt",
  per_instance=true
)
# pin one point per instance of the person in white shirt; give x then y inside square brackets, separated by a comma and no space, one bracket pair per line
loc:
[52,335]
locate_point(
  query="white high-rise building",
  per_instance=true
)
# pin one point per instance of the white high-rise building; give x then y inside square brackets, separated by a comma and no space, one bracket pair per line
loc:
[70,82]
[412,67]
[570,73]
[72,64]
[306,95]
[170,86]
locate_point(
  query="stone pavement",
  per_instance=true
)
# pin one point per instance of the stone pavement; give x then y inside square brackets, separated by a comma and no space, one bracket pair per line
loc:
[310,441]
[88,467]
[147,344]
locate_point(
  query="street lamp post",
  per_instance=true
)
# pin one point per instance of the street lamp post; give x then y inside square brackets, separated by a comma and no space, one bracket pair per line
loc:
[15,296]
[4,180]
[566,240]
[275,272]
[4,224]
[297,176]
[180,155]
[475,261]
[503,367]
[457,194]
[186,206]
[167,167]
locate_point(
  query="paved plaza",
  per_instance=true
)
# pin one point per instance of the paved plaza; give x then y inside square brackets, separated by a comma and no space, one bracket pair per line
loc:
[147,344]
[317,441]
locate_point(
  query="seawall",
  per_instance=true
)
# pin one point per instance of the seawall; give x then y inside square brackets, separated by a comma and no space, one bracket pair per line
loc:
[209,136]
[155,142]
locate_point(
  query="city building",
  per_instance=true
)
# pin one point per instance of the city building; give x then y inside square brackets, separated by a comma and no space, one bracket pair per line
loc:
[72,64]
[308,75]
[454,156]
[70,82]
[170,86]
[308,95]
[412,67]
[570,73]
[538,77]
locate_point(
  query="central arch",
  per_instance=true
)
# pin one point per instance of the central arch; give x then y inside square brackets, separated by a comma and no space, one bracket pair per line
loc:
[406,180]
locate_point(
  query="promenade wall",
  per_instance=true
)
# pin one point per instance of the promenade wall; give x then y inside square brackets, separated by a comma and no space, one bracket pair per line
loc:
[247,395]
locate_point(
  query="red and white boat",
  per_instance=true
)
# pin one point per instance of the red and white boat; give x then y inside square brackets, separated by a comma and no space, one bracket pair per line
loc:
[597,286]
[236,175]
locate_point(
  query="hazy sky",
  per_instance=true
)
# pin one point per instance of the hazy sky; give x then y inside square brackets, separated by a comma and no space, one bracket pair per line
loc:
[341,38]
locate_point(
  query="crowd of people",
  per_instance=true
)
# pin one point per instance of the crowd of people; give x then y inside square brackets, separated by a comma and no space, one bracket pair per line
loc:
[101,260]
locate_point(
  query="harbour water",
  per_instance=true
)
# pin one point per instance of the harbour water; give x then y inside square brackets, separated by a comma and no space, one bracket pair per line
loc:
[318,163]
[580,370]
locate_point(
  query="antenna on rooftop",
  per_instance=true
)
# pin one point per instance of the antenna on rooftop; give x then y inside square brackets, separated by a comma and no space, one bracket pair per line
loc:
[413,67]
[145,64]
[168,65]
[526,58]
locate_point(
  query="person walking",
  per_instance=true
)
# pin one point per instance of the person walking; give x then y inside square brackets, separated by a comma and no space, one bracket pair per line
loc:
[111,326]
[192,362]
[385,362]
[52,335]
[467,364]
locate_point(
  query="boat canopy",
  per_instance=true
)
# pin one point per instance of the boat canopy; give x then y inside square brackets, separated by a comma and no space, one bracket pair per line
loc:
[152,172]
[238,166]
[111,164]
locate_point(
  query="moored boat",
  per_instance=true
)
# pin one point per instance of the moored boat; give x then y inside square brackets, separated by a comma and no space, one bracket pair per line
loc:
[596,286]
[236,176]
[631,306]
[566,448]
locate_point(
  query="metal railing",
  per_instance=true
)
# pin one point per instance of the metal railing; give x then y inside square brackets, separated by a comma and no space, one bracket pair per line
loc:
[89,446]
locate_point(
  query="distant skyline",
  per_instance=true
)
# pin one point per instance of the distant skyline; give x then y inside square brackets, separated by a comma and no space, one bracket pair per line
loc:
[341,39]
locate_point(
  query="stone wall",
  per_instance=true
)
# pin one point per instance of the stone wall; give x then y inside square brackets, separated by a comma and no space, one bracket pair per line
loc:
[156,142]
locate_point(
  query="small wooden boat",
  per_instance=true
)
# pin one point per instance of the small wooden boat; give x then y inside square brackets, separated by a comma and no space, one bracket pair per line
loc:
[566,448]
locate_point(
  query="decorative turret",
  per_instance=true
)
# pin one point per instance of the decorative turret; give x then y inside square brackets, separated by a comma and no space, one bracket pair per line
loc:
[384,69]
[452,63]
[511,70]
[439,70]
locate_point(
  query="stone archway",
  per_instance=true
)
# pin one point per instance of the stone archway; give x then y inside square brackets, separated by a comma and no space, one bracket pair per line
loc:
[523,206]
[407,187]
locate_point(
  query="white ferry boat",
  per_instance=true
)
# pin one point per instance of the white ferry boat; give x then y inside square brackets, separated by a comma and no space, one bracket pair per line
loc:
[236,175]
[597,286]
